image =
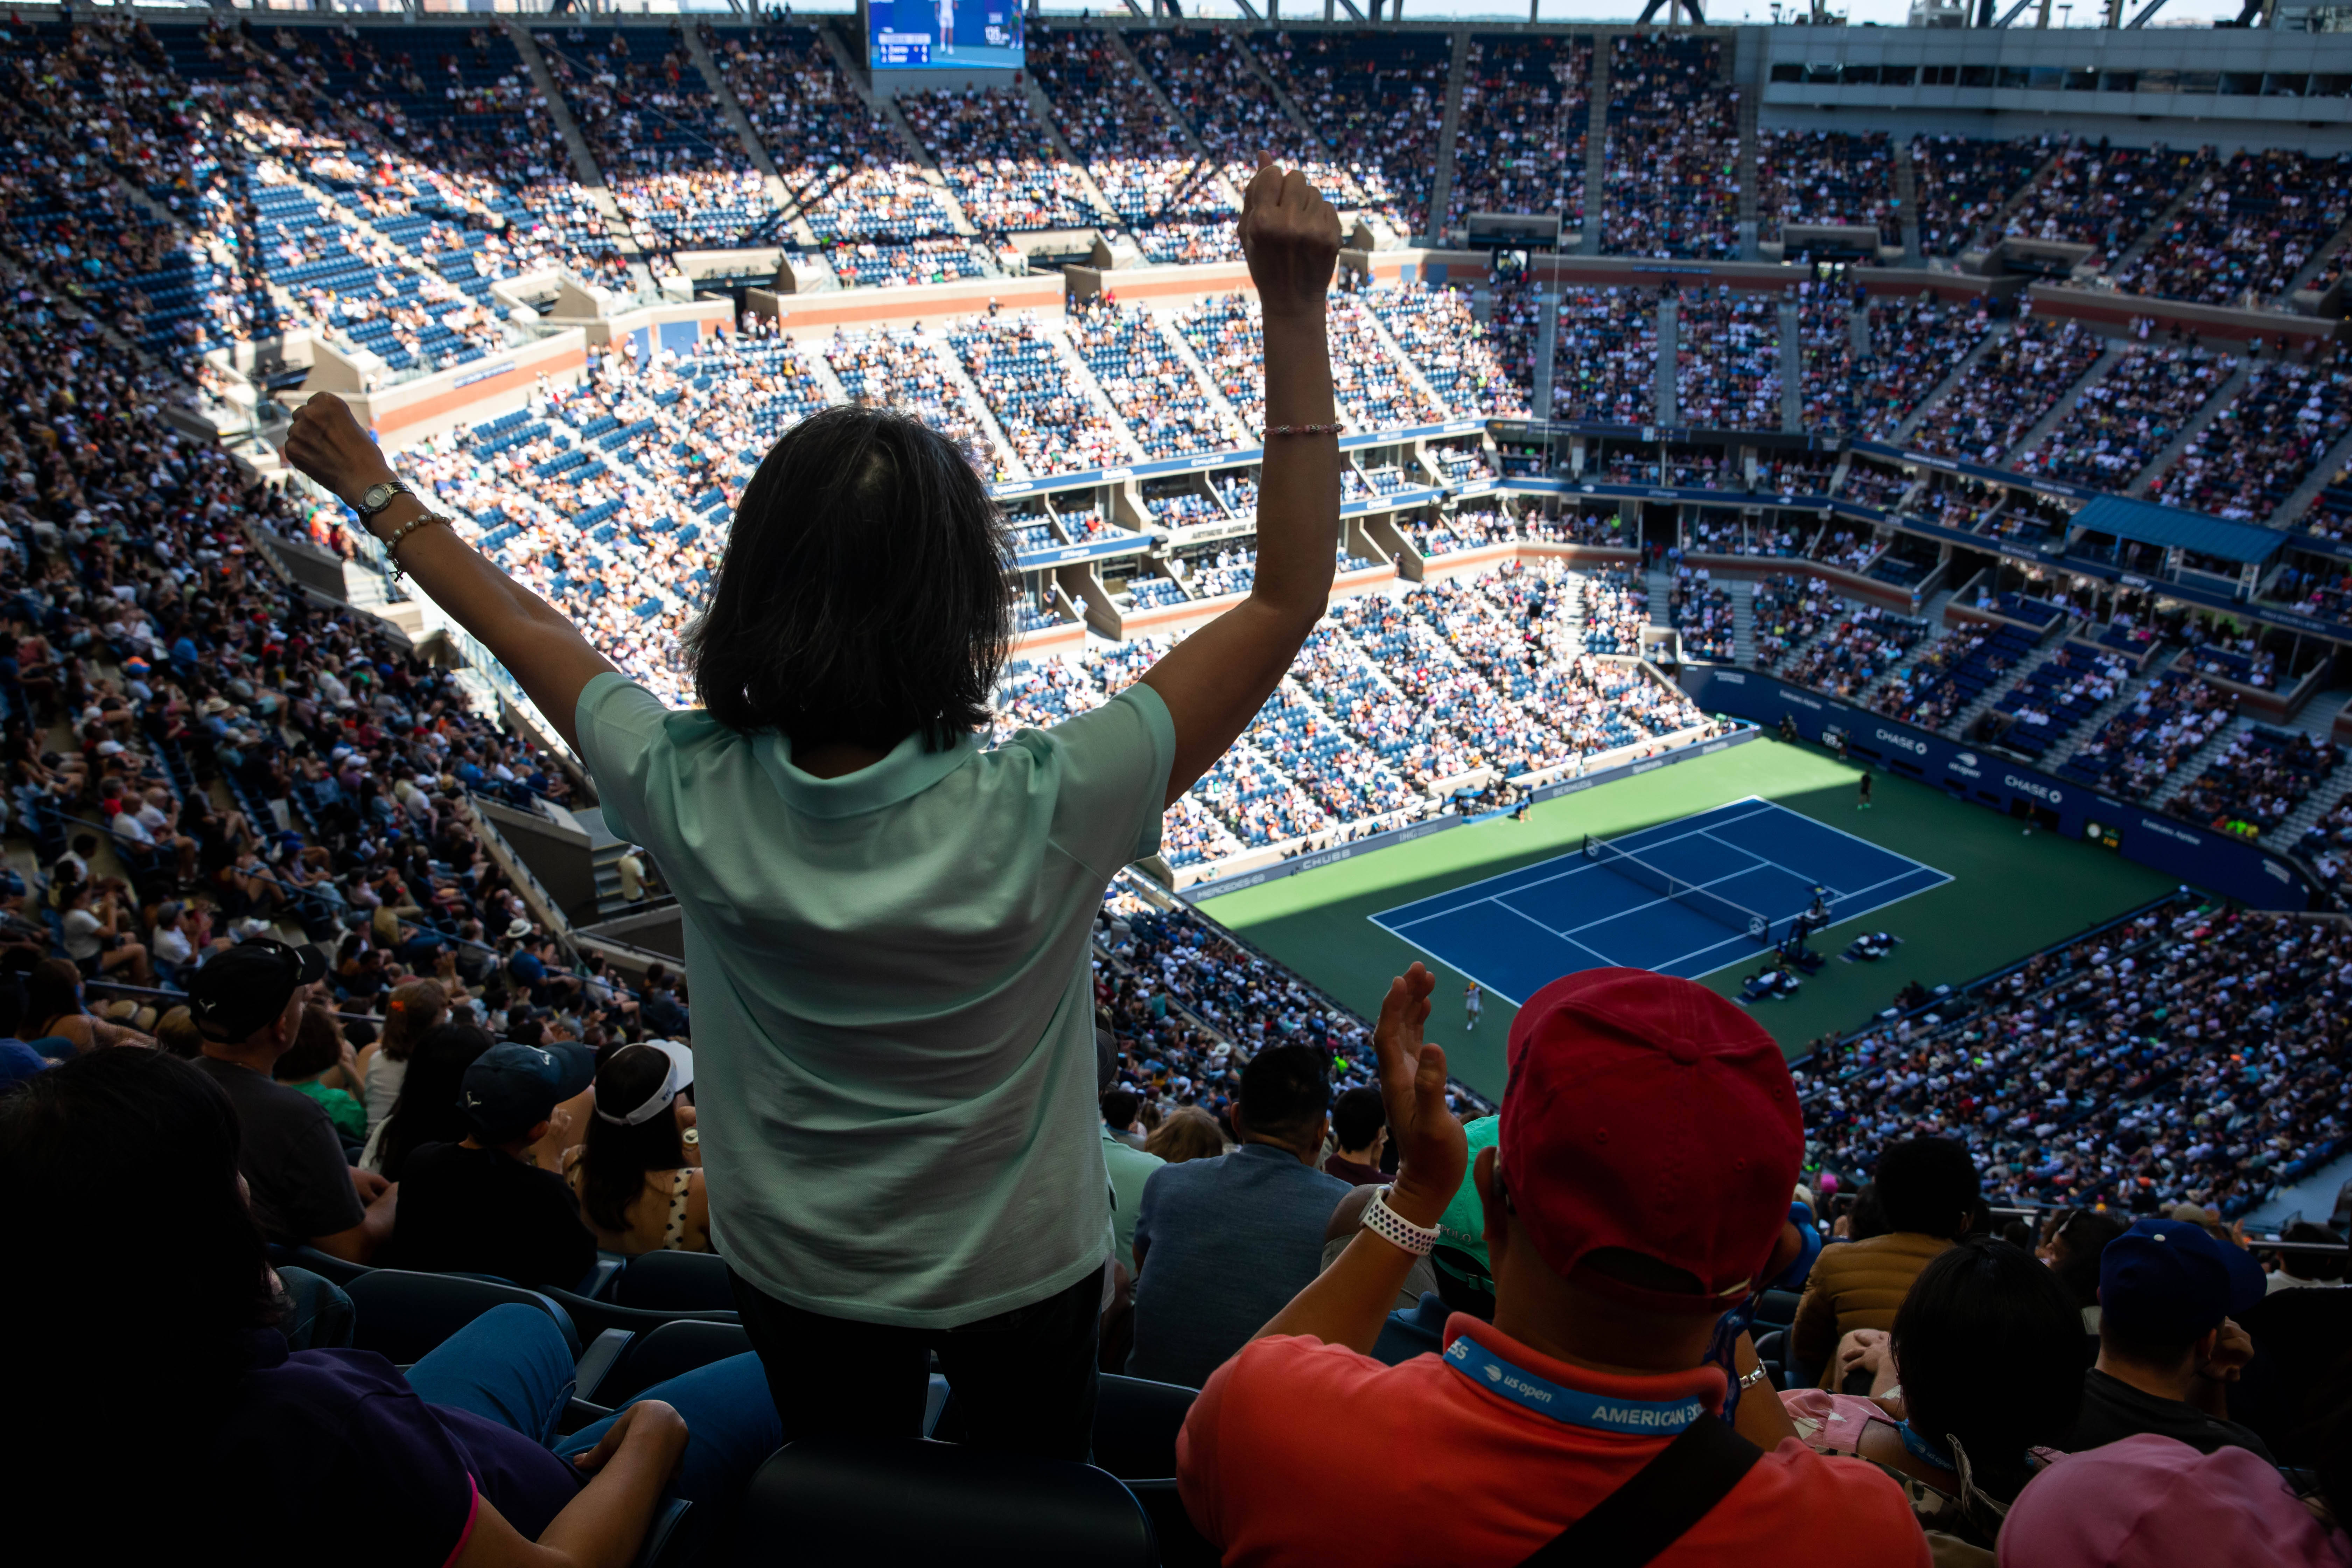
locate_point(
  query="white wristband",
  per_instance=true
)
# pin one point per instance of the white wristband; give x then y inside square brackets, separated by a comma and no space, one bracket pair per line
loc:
[1392,1228]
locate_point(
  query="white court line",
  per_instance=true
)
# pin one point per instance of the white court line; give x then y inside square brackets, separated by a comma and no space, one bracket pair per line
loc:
[1841,833]
[1577,855]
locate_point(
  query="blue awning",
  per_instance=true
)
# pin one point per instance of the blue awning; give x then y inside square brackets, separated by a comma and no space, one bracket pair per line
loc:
[2148,523]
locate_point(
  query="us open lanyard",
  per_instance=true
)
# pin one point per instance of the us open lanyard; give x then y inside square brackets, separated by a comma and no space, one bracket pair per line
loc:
[1571,1406]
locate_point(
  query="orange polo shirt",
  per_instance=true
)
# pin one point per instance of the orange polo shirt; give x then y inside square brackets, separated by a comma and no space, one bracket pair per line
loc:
[1471,1478]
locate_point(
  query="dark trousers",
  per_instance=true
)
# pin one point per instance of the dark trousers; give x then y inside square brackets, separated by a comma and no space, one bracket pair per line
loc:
[1024,1380]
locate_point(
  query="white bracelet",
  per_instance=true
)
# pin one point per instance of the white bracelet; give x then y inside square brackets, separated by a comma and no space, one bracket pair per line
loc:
[1392,1228]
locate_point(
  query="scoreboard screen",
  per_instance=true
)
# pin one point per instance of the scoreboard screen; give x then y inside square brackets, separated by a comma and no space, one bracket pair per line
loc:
[941,35]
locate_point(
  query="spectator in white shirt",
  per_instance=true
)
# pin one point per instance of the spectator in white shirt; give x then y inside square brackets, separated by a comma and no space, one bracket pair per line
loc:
[2308,1270]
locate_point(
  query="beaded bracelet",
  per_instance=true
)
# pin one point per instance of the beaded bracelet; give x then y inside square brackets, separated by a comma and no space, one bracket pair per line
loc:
[1306,429]
[393,544]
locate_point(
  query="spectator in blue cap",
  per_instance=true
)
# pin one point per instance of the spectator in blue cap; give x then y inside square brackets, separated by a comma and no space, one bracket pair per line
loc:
[2168,1343]
[481,1207]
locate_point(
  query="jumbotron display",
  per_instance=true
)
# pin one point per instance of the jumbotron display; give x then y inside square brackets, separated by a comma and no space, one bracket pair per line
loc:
[940,34]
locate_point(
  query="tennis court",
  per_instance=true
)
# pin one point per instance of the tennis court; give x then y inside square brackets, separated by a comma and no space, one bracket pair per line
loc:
[1682,898]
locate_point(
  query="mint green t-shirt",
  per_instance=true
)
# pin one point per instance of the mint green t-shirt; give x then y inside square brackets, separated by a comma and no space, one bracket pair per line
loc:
[893,1009]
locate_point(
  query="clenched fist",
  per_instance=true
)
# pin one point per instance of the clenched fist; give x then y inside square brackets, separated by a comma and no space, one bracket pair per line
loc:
[1291,235]
[334,449]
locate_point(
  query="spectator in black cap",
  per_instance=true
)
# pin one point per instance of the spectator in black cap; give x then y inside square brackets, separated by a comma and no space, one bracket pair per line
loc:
[479,1207]
[248,1004]
[2169,1346]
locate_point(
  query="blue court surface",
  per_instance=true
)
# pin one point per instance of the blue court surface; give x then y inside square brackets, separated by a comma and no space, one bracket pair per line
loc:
[1517,932]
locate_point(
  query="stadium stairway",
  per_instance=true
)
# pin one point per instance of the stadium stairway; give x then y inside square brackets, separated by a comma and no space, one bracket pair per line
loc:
[1201,379]
[2066,402]
[730,108]
[2322,474]
[1408,370]
[1596,170]
[2113,266]
[1906,198]
[1743,623]
[2199,761]
[2096,722]
[1748,109]
[2193,427]
[1441,184]
[1960,373]
[583,160]
[1998,225]
[1660,582]
[2318,720]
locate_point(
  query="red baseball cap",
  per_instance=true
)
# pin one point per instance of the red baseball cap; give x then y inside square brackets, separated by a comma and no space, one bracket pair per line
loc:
[1648,1113]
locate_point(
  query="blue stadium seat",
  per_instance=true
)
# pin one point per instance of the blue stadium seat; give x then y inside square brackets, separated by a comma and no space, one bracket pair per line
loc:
[402,1315]
[676,1283]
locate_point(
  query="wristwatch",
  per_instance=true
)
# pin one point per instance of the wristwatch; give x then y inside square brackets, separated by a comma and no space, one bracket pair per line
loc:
[1392,1228]
[377,496]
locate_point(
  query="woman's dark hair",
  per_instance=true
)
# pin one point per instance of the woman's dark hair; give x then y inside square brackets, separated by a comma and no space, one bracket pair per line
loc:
[863,596]
[123,1209]
[317,1047]
[52,991]
[617,1158]
[1990,1348]
[1929,1185]
[426,1110]
[1868,1216]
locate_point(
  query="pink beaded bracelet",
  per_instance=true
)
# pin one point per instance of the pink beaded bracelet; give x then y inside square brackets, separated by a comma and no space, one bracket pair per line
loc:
[1306,429]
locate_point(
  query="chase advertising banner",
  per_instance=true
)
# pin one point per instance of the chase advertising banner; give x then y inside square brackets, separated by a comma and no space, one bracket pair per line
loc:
[2202,858]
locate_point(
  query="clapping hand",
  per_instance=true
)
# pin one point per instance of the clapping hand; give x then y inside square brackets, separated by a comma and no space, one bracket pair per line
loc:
[1430,1149]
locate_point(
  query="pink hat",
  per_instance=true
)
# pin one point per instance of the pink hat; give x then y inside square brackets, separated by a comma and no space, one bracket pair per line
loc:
[2156,1502]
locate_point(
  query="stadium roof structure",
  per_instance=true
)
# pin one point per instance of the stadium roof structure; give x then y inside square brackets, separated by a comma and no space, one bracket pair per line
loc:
[2145,522]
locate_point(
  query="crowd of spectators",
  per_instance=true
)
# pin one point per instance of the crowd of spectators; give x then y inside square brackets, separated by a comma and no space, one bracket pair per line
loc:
[1143,164]
[2121,422]
[1728,359]
[1825,341]
[1859,645]
[839,159]
[2057,696]
[1052,423]
[1125,349]
[1673,150]
[1206,74]
[2188,1056]
[1605,365]
[1454,352]
[1844,178]
[1002,166]
[1377,99]
[899,367]
[2254,453]
[1914,346]
[2008,391]
[2166,723]
[2246,233]
[1519,135]
[1963,181]
[2258,779]
[1787,612]
[1701,610]
[679,172]
[2103,196]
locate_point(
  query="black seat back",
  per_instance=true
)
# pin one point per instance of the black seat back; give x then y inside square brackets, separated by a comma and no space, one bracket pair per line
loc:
[402,1315]
[1136,1423]
[676,1283]
[593,1316]
[855,1502]
[676,1347]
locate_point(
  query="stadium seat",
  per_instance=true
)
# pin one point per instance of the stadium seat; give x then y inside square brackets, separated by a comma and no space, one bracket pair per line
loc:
[1777,1309]
[676,1283]
[854,1501]
[593,1316]
[1136,1423]
[402,1315]
[668,1350]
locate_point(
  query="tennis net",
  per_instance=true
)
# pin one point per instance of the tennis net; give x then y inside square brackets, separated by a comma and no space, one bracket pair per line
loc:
[1714,905]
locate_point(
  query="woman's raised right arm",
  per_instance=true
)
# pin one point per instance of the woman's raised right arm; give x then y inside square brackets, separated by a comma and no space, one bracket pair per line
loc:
[1216,680]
